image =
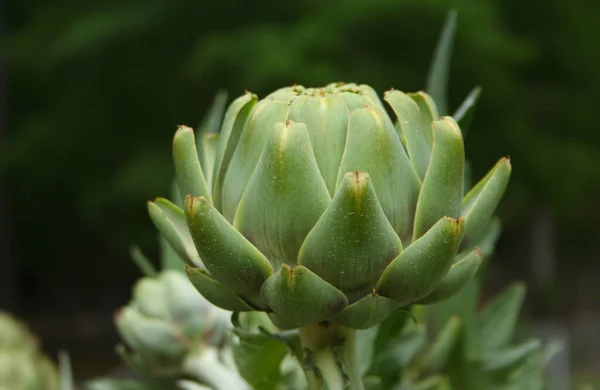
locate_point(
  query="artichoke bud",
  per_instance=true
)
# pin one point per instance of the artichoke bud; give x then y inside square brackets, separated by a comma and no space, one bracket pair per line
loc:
[321,207]
[167,320]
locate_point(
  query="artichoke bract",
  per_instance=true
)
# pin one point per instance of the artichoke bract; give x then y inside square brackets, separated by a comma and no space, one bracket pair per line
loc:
[22,365]
[320,206]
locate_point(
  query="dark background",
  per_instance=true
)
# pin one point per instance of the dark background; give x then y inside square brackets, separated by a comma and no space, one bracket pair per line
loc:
[91,93]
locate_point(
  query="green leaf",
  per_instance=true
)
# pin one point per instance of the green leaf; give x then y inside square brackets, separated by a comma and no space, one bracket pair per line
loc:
[456,279]
[437,79]
[463,305]
[481,202]
[464,114]
[254,137]
[416,271]
[365,344]
[143,263]
[442,190]
[487,241]
[510,357]
[373,146]
[187,164]
[227,255]
[419,139]
[391,328]
[366,312]
[497,322]
[299,296]
[258,358]
[211,123]
[353,240]
[233,124]
[170,222]
[215,292]
[398,352]
[285,196]
[326,118]
[437,355]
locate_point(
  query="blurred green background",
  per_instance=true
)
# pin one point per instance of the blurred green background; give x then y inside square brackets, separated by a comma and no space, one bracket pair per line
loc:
[92,93]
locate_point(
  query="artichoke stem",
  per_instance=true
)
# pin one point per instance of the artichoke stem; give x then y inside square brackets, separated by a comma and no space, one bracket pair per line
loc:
[331,357]
[207,369]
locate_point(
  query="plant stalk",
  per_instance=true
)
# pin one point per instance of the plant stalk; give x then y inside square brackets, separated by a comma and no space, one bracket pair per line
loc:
[331,357]
[208,369]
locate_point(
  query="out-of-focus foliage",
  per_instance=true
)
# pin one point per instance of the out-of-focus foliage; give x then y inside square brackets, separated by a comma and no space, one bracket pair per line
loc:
[96,90]
[23,366]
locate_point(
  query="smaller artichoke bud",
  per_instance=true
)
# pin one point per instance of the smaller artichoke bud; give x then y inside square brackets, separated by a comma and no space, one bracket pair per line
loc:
[166,321]
[22,365]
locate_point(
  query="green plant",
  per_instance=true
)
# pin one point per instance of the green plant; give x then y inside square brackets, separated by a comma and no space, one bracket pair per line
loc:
[320,211]
[324,225]
[469,350]
[316,207]
[23,366]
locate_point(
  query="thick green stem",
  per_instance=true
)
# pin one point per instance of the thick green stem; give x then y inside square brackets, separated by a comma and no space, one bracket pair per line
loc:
[207,369]
[332,357]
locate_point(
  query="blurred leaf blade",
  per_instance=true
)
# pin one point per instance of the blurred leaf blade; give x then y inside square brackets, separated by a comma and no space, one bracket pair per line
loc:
[437,78]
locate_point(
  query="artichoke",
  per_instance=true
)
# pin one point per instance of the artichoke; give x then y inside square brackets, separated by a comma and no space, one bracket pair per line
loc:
[22,365]
[171,331]
[315,206]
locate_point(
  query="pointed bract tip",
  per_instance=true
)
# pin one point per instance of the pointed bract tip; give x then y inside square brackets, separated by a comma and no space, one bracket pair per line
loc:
[479,252]
[286,268]
[190,200]
[183,128]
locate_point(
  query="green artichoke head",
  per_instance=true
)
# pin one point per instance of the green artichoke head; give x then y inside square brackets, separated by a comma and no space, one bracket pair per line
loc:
[166,321]
[22,365]
[320,206]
